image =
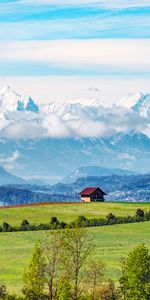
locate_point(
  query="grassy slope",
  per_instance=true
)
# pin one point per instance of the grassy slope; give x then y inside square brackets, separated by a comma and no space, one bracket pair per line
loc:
[112,243]
[67,212]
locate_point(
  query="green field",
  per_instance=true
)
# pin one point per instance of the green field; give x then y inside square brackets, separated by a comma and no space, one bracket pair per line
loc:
[67,212]
[112,242]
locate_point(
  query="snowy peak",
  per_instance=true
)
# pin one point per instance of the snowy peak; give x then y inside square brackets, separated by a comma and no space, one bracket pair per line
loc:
[11,101]
[8,99]
[132,140]
[130,100]
[143,106]
[139,103]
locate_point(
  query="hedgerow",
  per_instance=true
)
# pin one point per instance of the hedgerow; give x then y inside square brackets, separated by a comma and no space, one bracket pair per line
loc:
[81,221]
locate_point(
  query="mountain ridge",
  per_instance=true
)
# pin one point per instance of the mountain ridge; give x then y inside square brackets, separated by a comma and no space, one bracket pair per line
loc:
[95,171]
[52,140]
[8,178]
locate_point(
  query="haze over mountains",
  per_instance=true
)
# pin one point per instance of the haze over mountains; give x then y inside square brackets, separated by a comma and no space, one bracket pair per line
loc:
[49,141]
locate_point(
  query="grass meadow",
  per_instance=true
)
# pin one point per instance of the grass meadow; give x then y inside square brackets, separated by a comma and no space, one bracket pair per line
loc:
[111,242]
[67,212]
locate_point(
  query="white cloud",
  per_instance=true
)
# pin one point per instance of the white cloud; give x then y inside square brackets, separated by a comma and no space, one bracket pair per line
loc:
[9,161]
[100,3]
[126,156]
[55,127]
[22,130]
[82,118]
[114,54]
[76,121]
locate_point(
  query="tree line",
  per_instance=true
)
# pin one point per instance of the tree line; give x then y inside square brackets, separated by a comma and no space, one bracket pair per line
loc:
[63,267]
[81,221]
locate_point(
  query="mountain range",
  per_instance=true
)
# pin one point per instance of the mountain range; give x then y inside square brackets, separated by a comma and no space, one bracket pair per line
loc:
[95,171]
[47,142]
[8,178]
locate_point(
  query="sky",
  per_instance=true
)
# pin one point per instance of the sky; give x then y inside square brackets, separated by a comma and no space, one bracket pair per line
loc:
[75,48]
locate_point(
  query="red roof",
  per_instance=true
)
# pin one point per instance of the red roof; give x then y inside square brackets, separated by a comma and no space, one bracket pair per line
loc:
[88,191]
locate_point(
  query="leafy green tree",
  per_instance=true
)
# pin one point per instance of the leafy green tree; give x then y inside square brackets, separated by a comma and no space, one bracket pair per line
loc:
[95,274]
[76,247]
[108,291]
[140,213]
[52,251]
[135,280]
[34,276]
[65,291]
[25,225]
[6,227]
[111,219]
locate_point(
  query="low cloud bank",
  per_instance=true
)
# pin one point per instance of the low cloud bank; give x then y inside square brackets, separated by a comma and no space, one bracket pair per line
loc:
[74,121]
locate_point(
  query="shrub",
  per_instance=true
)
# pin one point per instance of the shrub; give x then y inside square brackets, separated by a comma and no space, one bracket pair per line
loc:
[140,213]
[3,292]
[25,225]
[81,221]
[43,227]
[62,225]
[111,219]
[147,216]
[54,220]
[6,227]
[108,291]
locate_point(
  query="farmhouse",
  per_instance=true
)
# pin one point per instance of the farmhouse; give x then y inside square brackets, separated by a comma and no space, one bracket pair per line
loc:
[92,194]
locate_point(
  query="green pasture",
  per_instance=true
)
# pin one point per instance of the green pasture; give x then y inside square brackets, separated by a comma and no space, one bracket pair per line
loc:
[67,212]
[111,242]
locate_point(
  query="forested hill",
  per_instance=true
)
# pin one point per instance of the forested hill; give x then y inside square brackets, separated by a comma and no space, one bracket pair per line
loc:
[118,188]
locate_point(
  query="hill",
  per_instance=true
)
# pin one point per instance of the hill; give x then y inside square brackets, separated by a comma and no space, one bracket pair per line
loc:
[67,212]
[8,178]
[129,188]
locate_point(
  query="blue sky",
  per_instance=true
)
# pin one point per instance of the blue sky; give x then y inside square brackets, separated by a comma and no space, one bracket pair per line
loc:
[44,20]
[27,28]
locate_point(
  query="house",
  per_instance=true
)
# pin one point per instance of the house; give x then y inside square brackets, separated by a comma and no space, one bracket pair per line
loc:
[92,194]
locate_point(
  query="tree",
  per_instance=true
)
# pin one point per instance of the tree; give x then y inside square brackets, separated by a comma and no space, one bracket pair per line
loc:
[65,291]
[135,280]
[34,276]
[76,248]
[6,227]
[111,219]
[95,274]
[81,221]
[108,291]
[54,223]
[140,213]
[25,225]
[52,249]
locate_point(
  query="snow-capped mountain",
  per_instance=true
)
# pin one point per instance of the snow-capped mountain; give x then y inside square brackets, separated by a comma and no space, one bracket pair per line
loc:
[124,141]
[139,103]
[130,100]
[52,140]
[95,171]
[10,101]
[143,106]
